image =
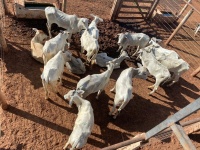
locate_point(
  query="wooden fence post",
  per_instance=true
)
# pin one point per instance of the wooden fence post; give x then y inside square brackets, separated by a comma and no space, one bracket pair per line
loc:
[3,41]
[179,26]
[115,8]
[2,101]
[64,5]
[152,9]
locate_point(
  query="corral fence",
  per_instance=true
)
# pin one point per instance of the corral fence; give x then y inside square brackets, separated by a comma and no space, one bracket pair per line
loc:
[173,21]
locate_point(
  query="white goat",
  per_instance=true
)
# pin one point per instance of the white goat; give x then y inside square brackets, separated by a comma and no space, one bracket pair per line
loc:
[170,59]
[37,43]
[71,23]
[160,51]
[83,124]
[89,44]
[102,59]
[94,83]
[76,66]
[54,45]
[132,39]
[93,26]
[155,68]
[123,87]
[53,71]
[176,66]
[117,61]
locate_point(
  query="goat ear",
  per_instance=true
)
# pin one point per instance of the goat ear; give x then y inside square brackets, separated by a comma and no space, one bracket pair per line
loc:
[101,20]
[34,29]
[67,96]
[92,15]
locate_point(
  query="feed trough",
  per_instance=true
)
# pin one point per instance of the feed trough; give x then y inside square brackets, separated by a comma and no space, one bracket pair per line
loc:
[31,9]
[164,16]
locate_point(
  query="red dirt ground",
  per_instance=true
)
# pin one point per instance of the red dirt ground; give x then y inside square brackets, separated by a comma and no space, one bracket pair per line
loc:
[31,122]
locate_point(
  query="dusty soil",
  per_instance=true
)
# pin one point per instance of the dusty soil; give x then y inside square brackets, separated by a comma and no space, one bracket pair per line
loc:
[31,122]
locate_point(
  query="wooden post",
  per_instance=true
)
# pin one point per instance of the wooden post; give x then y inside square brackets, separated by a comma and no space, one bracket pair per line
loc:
[179,26]
[64,5]
[152,9]
[2,101]
[184,8]
[196,71]
[115,8]
[3,41]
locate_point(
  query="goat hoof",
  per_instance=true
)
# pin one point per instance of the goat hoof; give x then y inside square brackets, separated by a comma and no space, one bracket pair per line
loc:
[150,93]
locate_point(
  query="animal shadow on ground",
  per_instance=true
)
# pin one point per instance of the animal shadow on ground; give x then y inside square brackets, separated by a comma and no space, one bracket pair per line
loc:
[130,118]
[195,137]
[19,60]
[100,108]
[177,91]
[48,124]
[38,120]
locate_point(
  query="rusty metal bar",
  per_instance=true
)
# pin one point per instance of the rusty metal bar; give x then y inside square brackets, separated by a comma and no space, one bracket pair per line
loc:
[181,114]
[187,123]
[142,137]
[184,8]
[137,138]
[182,137]
[179,26]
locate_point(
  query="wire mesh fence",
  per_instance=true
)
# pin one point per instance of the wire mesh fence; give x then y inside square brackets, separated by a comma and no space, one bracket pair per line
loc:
[184,42]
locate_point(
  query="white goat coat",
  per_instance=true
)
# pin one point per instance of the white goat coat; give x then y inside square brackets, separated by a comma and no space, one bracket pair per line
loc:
[71,23]
[54,67]
[89,44]
[124,87]
[117,61]
[53,71]
[155,68]
[76,66]
[132,39]
[93,30]
[159,51]
[37,43]
[52,46]
[95,83]
[83,125]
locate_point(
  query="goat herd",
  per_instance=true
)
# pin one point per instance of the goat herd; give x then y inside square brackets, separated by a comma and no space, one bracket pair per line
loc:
[156,60]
